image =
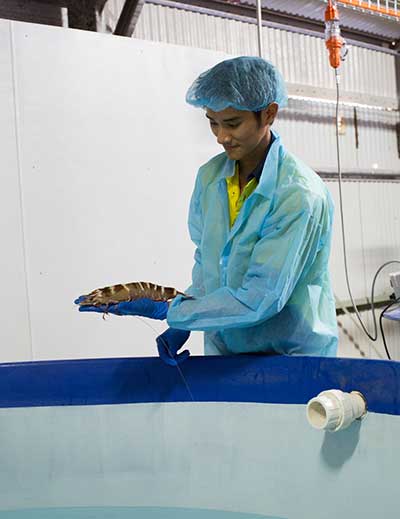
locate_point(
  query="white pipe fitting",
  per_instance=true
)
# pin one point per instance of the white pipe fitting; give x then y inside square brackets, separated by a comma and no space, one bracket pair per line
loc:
[334,410]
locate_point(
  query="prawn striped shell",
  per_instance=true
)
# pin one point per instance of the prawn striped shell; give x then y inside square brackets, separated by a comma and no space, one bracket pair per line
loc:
[115,294]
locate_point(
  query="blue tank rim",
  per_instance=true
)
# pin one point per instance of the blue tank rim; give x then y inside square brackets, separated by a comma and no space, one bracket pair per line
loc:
[240,378]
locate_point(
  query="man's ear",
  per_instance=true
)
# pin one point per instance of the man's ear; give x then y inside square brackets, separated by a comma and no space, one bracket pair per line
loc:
[269,114]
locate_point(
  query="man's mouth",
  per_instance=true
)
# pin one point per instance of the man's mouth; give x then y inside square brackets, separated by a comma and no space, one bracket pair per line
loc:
[230,148]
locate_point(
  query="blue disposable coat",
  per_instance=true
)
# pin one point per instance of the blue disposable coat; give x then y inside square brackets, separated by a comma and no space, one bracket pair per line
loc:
[262,285]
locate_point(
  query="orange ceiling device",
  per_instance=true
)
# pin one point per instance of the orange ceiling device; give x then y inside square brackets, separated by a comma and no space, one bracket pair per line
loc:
[333,40]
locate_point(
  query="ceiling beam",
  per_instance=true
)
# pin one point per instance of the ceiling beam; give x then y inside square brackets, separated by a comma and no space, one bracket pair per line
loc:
[128,17]
[82,15]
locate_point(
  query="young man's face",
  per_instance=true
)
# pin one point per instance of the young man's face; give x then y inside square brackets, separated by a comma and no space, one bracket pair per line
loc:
[240,132]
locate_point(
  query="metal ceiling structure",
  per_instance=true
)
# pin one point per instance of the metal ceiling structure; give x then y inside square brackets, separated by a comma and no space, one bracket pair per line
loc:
[128,17]
[357,24]
[79,14]
[352,17]
[360,19]
[388,8]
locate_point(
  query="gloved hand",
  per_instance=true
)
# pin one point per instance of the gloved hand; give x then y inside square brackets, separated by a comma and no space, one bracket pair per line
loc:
[141,307]
[169,342]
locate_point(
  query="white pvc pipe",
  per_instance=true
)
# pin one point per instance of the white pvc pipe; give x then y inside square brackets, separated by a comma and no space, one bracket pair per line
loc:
[64,17]
[334,410]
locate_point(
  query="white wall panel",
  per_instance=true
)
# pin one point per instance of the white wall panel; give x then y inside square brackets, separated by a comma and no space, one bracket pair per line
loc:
[354,239]
[108,166]
[15,340]
[315,124]
[372,217]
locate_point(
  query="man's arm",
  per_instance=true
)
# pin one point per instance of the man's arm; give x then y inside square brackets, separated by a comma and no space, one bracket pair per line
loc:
[289,243]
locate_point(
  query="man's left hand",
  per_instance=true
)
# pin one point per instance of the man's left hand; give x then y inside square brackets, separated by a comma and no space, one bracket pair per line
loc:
[141,307]
[168,344]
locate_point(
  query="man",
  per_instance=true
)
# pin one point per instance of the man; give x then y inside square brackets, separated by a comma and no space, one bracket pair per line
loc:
[261,221]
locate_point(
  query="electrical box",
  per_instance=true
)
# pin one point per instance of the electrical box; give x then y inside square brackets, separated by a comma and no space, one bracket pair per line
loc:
[395,282]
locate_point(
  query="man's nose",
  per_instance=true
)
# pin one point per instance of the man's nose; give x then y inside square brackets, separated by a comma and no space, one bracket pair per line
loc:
[223,137]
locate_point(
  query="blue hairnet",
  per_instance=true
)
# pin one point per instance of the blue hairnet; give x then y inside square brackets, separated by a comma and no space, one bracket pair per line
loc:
[244,83]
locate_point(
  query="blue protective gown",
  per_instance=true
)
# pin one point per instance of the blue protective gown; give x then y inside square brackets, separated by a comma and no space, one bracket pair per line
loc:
[262,285]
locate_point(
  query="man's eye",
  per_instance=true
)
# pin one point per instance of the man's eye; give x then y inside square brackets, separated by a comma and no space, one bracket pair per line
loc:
[235,125]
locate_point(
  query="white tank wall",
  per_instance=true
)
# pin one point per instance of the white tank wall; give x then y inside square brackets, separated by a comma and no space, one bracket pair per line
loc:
[99,161]
[207,455]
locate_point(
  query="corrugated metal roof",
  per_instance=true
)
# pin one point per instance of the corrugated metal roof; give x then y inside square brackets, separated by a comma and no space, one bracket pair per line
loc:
[351,18]
[369,76]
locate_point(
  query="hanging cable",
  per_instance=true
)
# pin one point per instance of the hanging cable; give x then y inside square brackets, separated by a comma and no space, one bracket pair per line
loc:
[355,322]
[336,46]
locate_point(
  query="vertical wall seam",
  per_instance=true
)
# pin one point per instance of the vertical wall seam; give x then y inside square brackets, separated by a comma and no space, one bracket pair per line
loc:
[22,212]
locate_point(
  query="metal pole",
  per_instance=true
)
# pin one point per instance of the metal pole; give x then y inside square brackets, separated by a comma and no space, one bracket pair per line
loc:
[259,28]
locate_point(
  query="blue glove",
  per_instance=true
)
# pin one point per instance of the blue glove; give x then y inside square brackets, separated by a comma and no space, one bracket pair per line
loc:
[142,307]
[169,342]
